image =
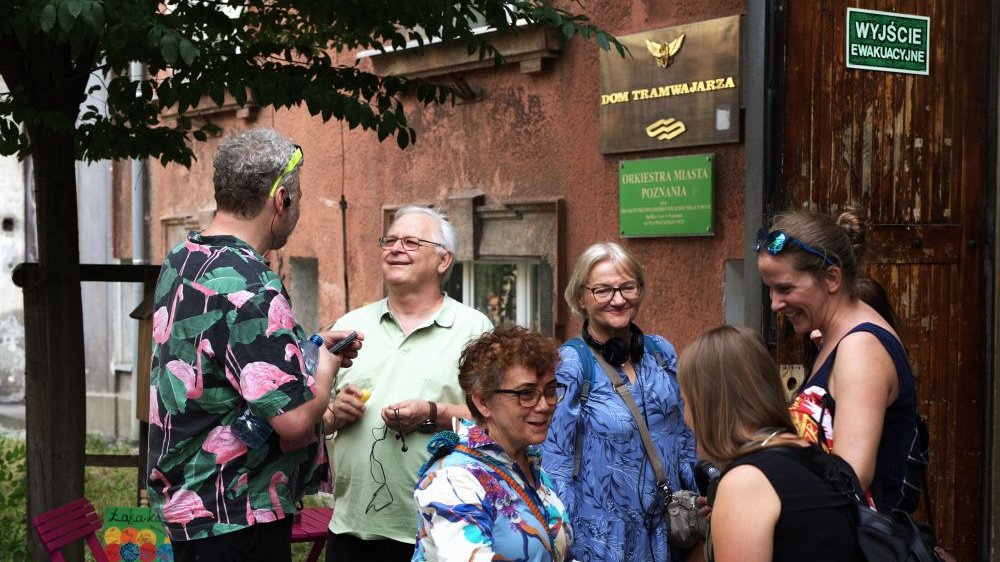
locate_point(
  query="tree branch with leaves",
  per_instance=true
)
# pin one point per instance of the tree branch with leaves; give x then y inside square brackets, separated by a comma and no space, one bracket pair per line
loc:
[276,53]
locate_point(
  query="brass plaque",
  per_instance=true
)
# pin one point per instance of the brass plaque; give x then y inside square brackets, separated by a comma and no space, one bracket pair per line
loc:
[680,87]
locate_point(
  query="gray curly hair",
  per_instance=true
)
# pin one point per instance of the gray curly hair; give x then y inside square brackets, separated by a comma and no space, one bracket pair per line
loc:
[246,166]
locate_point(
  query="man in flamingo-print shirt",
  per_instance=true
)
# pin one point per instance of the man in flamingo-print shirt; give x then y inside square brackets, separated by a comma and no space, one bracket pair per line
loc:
[225,341]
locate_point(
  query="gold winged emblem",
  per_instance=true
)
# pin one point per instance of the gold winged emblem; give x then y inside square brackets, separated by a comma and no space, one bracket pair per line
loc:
[664,52]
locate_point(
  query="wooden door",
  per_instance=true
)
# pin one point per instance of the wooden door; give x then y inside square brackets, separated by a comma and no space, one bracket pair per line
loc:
[910,153]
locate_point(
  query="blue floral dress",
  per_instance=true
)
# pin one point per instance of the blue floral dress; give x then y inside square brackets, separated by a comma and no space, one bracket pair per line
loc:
[470,511]
[614,506]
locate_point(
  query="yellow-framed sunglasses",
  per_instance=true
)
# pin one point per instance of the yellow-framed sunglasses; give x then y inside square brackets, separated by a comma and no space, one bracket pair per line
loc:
[293,162]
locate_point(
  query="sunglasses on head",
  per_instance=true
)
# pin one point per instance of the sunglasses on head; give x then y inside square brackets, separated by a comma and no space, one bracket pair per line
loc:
[293,162]
[777,241]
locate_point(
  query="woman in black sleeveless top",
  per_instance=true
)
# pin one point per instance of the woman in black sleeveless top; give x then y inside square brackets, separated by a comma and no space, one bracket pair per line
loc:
[860,400]
[770,504]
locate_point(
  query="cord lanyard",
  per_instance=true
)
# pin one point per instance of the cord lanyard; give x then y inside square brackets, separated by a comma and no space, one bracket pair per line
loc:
[529,496]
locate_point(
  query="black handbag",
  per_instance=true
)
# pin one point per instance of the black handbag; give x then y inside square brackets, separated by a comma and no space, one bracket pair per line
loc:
[893,536]
[888,537]
[882,537]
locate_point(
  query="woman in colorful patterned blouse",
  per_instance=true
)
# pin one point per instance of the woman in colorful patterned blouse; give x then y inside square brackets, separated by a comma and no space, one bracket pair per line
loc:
[594,452]
[483,495]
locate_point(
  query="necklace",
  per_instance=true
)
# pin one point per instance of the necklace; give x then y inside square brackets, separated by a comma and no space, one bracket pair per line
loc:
[771,436]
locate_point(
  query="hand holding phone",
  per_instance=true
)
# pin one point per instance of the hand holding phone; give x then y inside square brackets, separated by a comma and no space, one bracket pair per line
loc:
[343,344]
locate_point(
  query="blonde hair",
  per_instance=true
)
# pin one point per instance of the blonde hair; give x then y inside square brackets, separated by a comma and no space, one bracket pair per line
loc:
[592,256]
[733,389]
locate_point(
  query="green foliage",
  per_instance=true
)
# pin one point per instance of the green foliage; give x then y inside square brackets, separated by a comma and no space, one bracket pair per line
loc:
[276,53]
[104,487]
[109,486]
[13,498]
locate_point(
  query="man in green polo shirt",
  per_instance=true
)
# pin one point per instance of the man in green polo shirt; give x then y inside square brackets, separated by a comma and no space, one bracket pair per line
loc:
[413,339]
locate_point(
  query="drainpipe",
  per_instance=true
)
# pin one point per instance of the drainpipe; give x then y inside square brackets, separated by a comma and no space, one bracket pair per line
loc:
[137,72]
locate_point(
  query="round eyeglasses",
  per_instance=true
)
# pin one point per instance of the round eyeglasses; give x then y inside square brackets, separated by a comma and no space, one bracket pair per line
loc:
[605,293]
[529,397]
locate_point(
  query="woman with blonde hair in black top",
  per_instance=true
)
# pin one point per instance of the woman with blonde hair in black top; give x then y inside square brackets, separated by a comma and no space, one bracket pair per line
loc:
[770,504]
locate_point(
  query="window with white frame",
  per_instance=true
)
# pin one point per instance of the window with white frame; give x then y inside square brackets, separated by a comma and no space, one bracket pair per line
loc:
[507,291]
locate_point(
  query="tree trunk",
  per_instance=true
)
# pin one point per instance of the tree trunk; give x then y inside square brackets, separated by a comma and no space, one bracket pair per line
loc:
[54,363]
[54,79]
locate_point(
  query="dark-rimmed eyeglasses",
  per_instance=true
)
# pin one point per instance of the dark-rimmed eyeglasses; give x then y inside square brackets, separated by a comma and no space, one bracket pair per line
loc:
[410,243]
[777,241]
[605,293]
[293,162]
[529,397]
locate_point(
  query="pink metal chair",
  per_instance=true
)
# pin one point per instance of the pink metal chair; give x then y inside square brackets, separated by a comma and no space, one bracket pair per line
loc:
[69,523]
[310,526]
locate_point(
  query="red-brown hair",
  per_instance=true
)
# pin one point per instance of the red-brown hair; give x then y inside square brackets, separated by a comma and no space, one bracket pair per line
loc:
[485,361]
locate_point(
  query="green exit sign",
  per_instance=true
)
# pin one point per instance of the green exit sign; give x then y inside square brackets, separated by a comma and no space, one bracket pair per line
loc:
[888,41]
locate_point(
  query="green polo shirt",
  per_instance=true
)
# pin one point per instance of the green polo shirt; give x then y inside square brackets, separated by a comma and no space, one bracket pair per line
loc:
[395,368]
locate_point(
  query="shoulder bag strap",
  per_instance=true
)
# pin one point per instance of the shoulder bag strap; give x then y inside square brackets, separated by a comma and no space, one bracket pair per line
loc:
[585,385]
[660,354]
[640,422]
[848,484]
[919,551]
[532,500]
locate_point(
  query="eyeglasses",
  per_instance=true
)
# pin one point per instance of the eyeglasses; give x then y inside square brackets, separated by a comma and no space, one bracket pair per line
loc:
[603,293]
[529,397]
[410,243]
[293,162]
[777,241]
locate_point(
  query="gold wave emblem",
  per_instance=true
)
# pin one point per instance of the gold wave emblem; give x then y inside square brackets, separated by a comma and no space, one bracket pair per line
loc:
[664,52]
[666,129]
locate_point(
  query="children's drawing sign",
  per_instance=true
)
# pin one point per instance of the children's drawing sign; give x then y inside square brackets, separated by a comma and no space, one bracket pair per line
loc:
[135,534]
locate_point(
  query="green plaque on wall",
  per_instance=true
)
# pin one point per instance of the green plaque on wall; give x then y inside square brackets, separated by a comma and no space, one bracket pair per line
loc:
[666,196]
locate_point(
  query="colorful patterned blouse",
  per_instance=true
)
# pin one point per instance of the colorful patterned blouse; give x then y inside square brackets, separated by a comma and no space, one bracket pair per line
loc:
[474,504]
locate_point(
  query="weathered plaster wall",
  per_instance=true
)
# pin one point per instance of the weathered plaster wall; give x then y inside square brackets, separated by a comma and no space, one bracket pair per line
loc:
[532,136]
[11,254]
[11,301]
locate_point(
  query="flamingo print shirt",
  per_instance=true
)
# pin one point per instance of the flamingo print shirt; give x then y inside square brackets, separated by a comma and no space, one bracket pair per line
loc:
[224,338]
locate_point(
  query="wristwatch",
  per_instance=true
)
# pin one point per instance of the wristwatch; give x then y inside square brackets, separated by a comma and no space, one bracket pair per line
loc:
[430,425]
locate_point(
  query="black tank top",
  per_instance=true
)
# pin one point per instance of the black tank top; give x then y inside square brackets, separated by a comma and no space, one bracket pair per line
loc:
[898,425]
[817,523]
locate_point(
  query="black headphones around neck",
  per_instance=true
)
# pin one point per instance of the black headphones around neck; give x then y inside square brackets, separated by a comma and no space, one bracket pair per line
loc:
[615,351]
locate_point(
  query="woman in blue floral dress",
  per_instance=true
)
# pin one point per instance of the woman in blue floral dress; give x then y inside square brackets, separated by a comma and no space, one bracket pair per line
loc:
[594,453]
[483,495]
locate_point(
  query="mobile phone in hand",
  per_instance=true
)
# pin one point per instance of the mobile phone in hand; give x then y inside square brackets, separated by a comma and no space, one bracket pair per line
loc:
[344,343]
